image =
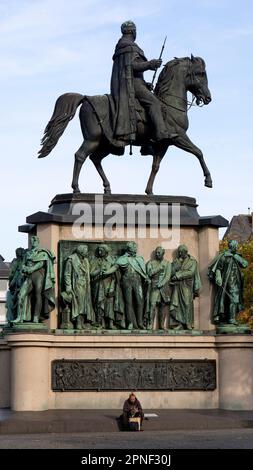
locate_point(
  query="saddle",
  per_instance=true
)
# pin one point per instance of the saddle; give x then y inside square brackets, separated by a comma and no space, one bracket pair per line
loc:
[103,107]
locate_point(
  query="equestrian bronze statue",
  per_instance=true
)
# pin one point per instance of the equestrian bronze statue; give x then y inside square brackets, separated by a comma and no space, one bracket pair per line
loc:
[133,114]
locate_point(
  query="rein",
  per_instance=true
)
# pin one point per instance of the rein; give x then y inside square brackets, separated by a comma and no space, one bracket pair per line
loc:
[189,103]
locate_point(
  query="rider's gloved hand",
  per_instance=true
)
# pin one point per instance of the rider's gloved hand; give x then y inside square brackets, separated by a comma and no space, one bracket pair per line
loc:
[155,64]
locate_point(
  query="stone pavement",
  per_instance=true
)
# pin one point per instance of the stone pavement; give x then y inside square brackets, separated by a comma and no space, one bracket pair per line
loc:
[105,421]
[149,440]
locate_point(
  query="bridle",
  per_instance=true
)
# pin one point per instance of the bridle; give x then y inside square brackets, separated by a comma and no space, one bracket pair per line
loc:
[194,78]
[188,103]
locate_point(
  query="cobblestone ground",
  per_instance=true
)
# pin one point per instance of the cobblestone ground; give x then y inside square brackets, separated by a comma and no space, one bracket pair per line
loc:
[214,439]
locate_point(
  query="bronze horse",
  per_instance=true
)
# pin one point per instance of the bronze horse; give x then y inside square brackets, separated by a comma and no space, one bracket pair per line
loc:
[177,77]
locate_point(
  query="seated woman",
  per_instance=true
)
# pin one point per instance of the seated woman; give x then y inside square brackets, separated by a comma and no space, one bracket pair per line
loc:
[132,409]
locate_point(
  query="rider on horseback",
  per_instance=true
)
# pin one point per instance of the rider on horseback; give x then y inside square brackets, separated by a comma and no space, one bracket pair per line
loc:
[110,122]
[128,84]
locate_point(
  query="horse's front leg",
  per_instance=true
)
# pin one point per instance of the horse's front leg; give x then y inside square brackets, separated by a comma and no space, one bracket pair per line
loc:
[157,158]
[82,153]
[183,142]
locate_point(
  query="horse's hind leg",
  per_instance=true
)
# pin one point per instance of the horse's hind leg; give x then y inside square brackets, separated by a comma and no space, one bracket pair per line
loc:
[96,159]
[82,153]
[183,142]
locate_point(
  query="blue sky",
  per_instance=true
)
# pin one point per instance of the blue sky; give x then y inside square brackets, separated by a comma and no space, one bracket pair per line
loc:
[49,47]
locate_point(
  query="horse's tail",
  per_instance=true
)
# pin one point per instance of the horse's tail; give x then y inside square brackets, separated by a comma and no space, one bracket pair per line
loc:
[64,110]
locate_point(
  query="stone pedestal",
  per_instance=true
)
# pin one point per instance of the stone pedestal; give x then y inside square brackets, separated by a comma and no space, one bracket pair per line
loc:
[150,221]
[235,372]
[31,358]
[48,369]
[4,373]
[29,374]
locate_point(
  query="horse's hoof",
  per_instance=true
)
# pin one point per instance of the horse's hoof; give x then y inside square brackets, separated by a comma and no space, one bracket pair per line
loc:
[148,192]
[208,182]
[76,191]
[107,191]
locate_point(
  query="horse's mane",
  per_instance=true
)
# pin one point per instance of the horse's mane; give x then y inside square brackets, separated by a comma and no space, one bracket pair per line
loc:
[167,74]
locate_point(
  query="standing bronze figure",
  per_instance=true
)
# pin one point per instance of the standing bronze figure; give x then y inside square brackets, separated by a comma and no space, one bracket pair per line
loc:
[186,285]
[225,273]
[77,290]
[132,114]
[133,276]
[16,279]
[106,292]
[36,297]
[159,272]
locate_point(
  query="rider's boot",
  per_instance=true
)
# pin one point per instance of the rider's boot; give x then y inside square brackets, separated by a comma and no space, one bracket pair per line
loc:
[147,150]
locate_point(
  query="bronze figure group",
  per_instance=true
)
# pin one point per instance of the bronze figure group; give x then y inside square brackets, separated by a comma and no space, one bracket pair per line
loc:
[124,292]
[105,291]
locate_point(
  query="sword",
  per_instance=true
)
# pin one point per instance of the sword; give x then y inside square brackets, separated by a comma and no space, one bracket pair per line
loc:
[160,56]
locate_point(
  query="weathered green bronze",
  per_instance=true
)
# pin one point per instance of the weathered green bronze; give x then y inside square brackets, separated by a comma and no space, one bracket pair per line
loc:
[16,279]
[225,274]
[185,287]
[133,280]
[100,295]
[77,294]
[106,291]
[159,272]
[107,286]
[33,283]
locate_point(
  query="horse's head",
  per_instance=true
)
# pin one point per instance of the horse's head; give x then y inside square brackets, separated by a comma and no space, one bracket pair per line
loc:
[197,80]
[181,75]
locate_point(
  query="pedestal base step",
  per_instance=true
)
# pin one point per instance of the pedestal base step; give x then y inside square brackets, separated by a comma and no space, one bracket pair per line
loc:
[25,327]
[70,421]
[233,329]
[132,332]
